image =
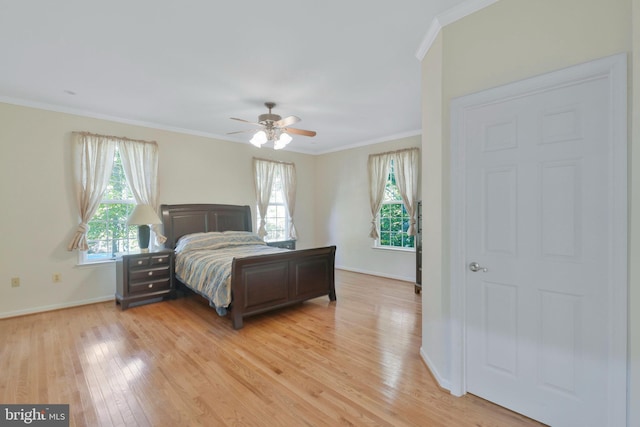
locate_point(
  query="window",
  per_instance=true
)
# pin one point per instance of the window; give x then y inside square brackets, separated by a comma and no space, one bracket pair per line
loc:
[106,169]
[393,218]
[277,220]
[109,235]
[275,185]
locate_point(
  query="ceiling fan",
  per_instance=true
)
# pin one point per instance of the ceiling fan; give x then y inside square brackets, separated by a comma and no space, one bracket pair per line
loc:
[274,129]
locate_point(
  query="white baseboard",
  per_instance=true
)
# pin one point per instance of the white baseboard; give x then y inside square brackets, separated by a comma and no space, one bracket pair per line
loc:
[439,379]
[375,273]
[52,307]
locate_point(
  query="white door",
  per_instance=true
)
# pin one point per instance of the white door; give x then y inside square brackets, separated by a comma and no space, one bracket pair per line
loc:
[540,177]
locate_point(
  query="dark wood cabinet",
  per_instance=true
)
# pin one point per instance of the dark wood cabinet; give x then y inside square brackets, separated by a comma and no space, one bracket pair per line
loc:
[418,245]
[144,276]
[287,244]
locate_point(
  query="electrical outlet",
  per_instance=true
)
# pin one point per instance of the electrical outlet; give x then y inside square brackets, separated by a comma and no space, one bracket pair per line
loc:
[57,277]
[15,282]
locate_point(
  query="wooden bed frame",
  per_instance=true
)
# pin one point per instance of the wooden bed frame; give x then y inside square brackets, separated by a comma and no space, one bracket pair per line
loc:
[258,283]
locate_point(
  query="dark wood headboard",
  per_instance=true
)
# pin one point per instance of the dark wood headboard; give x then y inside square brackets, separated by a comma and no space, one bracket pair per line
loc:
[179,220]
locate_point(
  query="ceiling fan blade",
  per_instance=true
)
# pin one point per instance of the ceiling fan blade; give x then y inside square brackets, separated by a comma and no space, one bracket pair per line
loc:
[287,121]
[240,131]
[245,121]
[300,131]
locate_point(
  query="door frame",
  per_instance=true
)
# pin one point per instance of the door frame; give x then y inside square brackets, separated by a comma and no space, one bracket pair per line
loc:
[613,68]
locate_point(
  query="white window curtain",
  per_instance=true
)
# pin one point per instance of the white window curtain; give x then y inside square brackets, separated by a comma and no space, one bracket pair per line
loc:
[288,174]
[378,168]
[406,168]
[93,162]
[263,172]
[140,163]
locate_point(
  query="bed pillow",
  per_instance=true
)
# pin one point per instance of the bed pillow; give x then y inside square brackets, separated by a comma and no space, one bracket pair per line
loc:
[216,240]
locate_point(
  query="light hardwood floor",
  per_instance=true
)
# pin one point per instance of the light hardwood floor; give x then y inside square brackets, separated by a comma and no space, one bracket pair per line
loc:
[176,363]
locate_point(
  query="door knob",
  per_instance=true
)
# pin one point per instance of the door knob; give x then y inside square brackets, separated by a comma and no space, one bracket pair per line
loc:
[475,267]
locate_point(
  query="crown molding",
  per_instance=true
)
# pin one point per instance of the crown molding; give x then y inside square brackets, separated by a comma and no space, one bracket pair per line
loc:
[151,125]
[447,17]
[388,138]
[90,114]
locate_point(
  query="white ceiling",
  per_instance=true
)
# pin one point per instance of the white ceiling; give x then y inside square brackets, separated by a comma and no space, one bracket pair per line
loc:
[346,67]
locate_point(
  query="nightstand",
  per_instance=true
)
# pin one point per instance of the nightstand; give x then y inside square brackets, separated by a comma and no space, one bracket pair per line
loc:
[144,276]
[286,244]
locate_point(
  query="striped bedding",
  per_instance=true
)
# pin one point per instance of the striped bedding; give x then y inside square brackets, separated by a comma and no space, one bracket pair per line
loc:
[203,262]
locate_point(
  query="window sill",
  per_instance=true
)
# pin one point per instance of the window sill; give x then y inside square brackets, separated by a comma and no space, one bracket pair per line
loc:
[385,248]
[96,263]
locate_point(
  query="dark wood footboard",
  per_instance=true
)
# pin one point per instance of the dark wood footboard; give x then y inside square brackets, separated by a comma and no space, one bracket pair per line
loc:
[267,282]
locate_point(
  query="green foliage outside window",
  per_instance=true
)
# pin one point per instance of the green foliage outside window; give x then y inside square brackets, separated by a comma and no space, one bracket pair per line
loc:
[109,233]
[394,223]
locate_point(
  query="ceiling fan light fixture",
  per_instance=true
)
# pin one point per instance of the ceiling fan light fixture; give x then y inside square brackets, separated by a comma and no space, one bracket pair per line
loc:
[274,129]
[282,142]
[259,138]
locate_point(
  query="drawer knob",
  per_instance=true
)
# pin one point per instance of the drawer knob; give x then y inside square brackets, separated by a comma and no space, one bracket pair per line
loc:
[151,273]
[160,259]
[140,262]
[150,285]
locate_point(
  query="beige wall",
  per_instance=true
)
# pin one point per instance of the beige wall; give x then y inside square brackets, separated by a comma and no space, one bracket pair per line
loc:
[39,207]
[505,42]
[344,216]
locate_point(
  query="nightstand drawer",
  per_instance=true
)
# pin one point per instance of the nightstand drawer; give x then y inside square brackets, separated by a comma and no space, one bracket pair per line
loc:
[159,260]
[146,287]
[138,262]
[148,274]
